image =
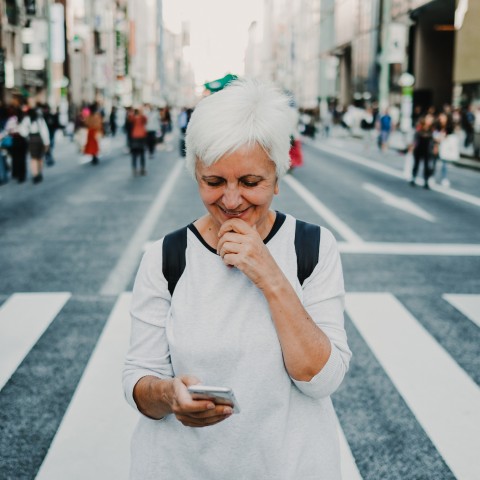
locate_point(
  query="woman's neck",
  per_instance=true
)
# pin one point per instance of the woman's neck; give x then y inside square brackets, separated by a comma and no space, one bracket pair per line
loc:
[208,227]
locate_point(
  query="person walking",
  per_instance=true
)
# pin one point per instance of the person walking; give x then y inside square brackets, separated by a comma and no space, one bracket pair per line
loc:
[423,149]
[35,130]
[448,146]
[19,147]
[138,141]
[152,126]
[53,124]
[112,119]
[238,316]
[468,122]
[385,128]
[94,124]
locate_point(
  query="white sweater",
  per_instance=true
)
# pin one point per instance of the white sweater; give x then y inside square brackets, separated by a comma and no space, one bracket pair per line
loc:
[218,327]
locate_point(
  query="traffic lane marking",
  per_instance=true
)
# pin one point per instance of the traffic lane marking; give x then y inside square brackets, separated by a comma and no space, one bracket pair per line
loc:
[352,157]
[441,395]
[401,203]
[468,305]
[24,317]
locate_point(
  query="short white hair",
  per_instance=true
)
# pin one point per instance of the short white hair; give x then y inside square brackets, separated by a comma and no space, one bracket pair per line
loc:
[245,113]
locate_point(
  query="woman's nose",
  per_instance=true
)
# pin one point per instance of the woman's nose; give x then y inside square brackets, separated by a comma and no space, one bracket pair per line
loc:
[231,197]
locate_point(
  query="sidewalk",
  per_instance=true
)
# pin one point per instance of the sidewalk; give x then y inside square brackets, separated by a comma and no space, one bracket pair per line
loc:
[398,142]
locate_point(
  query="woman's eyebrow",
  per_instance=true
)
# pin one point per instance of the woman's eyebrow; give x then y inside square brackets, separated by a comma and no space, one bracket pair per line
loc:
[251,175]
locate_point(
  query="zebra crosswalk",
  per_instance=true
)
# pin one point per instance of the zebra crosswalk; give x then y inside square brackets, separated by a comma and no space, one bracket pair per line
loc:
[92,439]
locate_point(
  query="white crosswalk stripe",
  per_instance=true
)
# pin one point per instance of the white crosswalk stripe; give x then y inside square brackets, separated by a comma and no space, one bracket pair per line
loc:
[442,396]
[468,305]
[23,319]
[93,439]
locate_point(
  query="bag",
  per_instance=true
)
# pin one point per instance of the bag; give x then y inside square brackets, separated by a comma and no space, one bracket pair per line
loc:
[307,246]
[6,142]
[408,165]
[296,154]
[449,149]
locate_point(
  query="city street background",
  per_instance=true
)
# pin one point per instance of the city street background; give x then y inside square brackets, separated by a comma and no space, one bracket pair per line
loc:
[73,229]
[408,408]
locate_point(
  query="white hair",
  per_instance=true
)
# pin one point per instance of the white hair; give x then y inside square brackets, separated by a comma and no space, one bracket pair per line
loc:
[244,113]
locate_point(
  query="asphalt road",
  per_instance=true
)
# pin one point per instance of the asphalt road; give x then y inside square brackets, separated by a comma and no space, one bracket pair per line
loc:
[405,408]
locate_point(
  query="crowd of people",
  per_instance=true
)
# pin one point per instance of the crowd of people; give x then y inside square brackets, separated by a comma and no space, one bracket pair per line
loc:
[26,132]
[144,127]
[29,133]
[435,139]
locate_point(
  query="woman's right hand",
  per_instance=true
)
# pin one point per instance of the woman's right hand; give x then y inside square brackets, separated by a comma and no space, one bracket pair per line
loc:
[157,398]
[194,413]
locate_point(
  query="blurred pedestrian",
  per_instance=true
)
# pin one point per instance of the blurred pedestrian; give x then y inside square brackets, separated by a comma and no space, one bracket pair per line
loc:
[153,127]
[138,141]
[448,146]
[468,123]
[5,146]
[166,121]
[127,127]
[112,119]
[53,124]
[36,131]
[423,149]
[385,128]
[94,124]
[367,125]
[183,120]
[19,147]
[239,316]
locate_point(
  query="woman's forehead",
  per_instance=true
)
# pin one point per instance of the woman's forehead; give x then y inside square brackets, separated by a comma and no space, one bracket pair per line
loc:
[244,161]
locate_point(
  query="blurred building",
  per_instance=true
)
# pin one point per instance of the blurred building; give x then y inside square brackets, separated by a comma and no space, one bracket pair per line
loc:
[358,51]
[25,70]
[74,52]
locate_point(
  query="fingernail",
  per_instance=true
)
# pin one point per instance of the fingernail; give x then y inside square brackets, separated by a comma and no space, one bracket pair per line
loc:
[211,406]
[227,411]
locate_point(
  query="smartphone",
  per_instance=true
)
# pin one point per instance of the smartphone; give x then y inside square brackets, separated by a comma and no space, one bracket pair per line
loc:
[218,395]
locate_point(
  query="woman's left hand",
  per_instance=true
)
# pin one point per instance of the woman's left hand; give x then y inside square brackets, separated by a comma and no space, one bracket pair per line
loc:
[241,246]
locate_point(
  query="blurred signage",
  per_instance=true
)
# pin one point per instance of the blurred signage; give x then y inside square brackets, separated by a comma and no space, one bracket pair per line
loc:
[57,21]
[397,43]
[27,35]
[33,61]
[9,74]
[30,7]
[32,78]
[100,70]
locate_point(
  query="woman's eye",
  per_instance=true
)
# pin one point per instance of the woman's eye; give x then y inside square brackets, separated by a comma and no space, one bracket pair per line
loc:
[250,184]
[214,183]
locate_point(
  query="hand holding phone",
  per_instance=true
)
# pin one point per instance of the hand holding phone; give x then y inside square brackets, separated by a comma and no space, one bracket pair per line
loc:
[218,395]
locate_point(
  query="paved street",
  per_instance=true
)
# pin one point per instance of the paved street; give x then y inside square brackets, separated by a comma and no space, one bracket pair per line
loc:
[70,246]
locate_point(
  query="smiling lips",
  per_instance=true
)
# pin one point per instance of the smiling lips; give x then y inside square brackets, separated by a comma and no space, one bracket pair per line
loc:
[232,213]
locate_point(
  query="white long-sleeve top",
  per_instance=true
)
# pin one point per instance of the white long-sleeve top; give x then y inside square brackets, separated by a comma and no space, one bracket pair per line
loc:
[218,327]
[28,127]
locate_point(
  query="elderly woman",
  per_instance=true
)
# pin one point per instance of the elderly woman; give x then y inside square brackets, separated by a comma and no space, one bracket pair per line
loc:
[238,316]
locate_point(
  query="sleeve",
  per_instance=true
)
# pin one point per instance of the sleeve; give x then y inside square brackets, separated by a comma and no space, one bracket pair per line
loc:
[24,127]
[149,351]
[43,129]
[324,300]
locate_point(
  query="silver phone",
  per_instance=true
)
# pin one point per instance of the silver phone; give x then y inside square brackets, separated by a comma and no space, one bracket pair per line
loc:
[218,395]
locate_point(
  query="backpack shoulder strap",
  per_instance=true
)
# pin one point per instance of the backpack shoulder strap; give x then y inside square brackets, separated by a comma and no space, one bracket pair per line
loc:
[307,247]
[173,256]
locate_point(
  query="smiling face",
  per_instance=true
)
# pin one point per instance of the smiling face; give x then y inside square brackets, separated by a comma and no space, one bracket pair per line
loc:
[239,185]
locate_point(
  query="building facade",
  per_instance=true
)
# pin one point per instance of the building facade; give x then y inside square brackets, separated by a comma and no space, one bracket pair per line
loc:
[361,49]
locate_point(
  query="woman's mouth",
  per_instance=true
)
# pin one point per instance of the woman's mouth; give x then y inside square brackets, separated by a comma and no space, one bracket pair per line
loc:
[233,213]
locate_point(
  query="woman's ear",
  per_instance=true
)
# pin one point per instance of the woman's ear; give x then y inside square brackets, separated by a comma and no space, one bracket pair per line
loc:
[277,187]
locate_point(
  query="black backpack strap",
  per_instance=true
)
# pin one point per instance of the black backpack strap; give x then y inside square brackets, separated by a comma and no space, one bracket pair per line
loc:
[307,247]
[173,256]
